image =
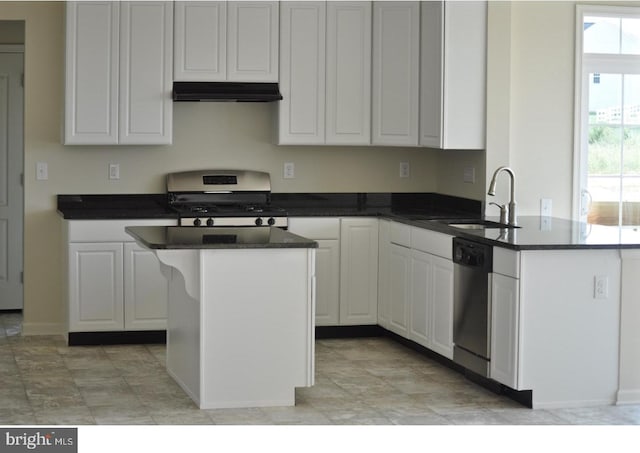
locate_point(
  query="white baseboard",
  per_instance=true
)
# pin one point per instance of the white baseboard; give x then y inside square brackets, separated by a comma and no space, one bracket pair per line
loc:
[628,397]
[571,404]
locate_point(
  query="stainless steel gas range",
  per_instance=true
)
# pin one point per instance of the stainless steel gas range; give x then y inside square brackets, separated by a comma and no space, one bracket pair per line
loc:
[230,198]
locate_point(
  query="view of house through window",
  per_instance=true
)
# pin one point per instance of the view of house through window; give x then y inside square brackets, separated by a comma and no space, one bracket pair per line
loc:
[610,117]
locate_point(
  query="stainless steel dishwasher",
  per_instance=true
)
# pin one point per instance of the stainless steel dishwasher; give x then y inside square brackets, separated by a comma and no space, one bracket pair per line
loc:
[473,263]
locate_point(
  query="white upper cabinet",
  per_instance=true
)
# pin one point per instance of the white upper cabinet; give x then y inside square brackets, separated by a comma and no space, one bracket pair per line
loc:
[200,47]
[92,65]
[325,73]
[118,73]
[146,56]
[302,74]
[453,74]
[348,101]
[252,41]
[396,66]
[226,41]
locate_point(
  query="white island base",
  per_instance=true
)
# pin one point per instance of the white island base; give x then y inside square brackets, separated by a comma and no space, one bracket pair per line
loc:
[240,324]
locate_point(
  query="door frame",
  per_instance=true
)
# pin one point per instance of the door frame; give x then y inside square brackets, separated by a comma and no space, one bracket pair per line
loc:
[20,49]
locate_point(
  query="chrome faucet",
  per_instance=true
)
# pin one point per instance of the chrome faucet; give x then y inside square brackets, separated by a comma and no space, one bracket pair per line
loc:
[512,202]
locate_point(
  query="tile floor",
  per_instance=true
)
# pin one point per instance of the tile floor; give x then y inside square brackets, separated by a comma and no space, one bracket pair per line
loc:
[358,382]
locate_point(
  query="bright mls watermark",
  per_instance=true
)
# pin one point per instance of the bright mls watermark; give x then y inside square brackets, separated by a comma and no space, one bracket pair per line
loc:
[50,440]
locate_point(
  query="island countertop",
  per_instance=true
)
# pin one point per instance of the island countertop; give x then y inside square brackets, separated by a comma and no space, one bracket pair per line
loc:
[175,237]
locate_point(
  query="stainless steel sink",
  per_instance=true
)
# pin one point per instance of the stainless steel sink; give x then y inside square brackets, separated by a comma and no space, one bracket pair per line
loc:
[477,224]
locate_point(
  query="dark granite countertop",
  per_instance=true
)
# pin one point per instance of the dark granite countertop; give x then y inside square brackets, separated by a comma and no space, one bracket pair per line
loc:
[425,210]
[173,237]
[546,233]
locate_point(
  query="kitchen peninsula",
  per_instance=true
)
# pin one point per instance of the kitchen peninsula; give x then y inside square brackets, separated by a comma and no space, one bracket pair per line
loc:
[240,325]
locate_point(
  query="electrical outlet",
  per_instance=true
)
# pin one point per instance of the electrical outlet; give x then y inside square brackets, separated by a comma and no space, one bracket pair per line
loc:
[600,287]
[114,171]
[404,169]
[545,207]
[469,175]
[42,171]
[289,170]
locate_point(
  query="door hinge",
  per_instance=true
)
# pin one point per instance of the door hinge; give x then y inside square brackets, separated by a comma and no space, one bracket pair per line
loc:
[22,179]
[22,277]
[22,80]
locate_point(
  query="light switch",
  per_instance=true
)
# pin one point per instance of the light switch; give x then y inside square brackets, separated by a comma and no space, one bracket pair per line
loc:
[404,169]
[114,171]
[469,175]
[42,171]
[289,170]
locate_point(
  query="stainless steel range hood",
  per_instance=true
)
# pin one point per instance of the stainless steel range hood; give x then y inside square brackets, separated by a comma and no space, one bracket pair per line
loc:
[226,92]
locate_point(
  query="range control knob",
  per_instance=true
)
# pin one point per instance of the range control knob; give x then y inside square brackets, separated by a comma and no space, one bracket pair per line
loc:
[209,222]
[259,221]
[197,222]
[271,221]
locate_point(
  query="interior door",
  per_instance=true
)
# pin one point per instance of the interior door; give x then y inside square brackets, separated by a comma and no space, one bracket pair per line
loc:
[11,191]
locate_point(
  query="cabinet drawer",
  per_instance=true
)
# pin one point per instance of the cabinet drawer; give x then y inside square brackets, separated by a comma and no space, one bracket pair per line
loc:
[401,234]
[108,230]
[315,227]
[428,241]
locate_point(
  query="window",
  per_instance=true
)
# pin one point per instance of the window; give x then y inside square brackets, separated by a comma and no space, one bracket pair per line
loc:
[607,189]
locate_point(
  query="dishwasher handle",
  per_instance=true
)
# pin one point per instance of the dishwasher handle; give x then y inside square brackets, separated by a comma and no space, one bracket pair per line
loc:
[472,254]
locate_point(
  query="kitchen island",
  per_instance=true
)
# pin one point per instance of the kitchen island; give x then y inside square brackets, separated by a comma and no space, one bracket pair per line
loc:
[240,329]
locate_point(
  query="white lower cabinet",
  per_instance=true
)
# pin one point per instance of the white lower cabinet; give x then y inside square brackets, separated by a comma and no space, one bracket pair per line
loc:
[346,268]
[112,283]
[432,302]
[96,287]
[358,271]
[504,329]
[146,290]
[399,281]
[416,285]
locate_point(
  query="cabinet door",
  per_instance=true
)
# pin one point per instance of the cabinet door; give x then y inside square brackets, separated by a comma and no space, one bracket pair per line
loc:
[200,47]
[301,113]
[421,298]
[146,290]
[326,232]
[91,90]
[146,67]
[431,73]
[253,41]
[95,287]
[453,74]
[504,330]
[348,103]
[399,281]
[328,282]
[358,271]
[396,55]
[384,269]
[441,335]
[465,81]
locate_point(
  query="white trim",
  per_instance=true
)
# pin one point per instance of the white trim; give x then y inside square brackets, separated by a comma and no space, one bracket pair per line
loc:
[11,48]
[628,397]
[577,117]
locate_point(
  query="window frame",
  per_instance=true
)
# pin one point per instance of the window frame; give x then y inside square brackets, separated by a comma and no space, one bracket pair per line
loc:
[591,63]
